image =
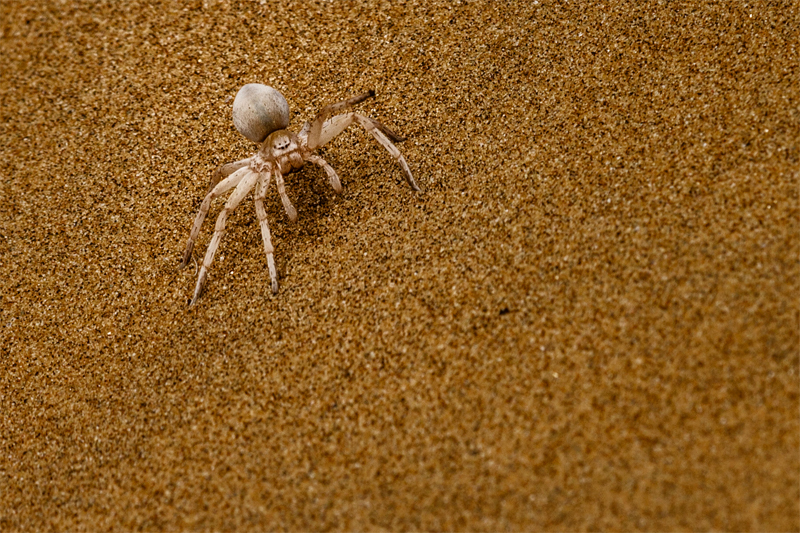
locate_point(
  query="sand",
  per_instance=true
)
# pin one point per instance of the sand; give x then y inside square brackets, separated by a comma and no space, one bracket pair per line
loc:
[587,320]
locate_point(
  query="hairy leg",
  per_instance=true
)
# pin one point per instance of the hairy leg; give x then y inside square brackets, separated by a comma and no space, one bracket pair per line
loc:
[332,177]
[291,212]
[226,170]
[336,125]
[315,130]
[225,185]
[382,134]
[234,200]
[374,128]
[261,213]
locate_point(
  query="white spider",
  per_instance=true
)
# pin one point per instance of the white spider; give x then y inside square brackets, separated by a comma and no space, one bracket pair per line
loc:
[261,113]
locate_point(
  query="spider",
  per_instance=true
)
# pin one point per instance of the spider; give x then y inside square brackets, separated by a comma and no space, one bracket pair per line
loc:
[262,114]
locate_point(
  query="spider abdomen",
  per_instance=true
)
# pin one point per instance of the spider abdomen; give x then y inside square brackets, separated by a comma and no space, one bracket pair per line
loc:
[258,110]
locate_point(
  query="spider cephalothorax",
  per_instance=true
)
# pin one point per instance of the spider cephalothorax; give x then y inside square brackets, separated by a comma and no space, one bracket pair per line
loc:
[261,113]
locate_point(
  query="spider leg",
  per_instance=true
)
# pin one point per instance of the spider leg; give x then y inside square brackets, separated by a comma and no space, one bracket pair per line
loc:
[225,185]
[382,134]
[261,213]
[291,212]
[336,125]
[315,130]
[332,177]
[377,130]
[395,138]
[226,170]
[234,200]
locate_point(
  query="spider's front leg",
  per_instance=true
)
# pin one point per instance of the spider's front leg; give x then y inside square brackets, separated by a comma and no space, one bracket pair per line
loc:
[333,179]
[226,170]
[261,213]
[291,212]
[247,181]
[225,185]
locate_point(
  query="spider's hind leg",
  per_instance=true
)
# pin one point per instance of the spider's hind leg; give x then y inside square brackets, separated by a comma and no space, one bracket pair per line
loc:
[383,134]
[395,138]
[316,128]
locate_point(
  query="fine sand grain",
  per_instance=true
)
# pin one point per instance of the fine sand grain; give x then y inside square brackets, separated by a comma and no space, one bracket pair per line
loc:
[587,320]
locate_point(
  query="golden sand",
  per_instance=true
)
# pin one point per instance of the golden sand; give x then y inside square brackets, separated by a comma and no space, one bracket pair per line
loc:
[588,319]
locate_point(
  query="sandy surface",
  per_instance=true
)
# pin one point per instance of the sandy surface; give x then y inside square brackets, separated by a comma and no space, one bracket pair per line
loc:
[587,320]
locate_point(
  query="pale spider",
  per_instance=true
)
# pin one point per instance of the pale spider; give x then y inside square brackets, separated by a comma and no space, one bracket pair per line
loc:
[261,113]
